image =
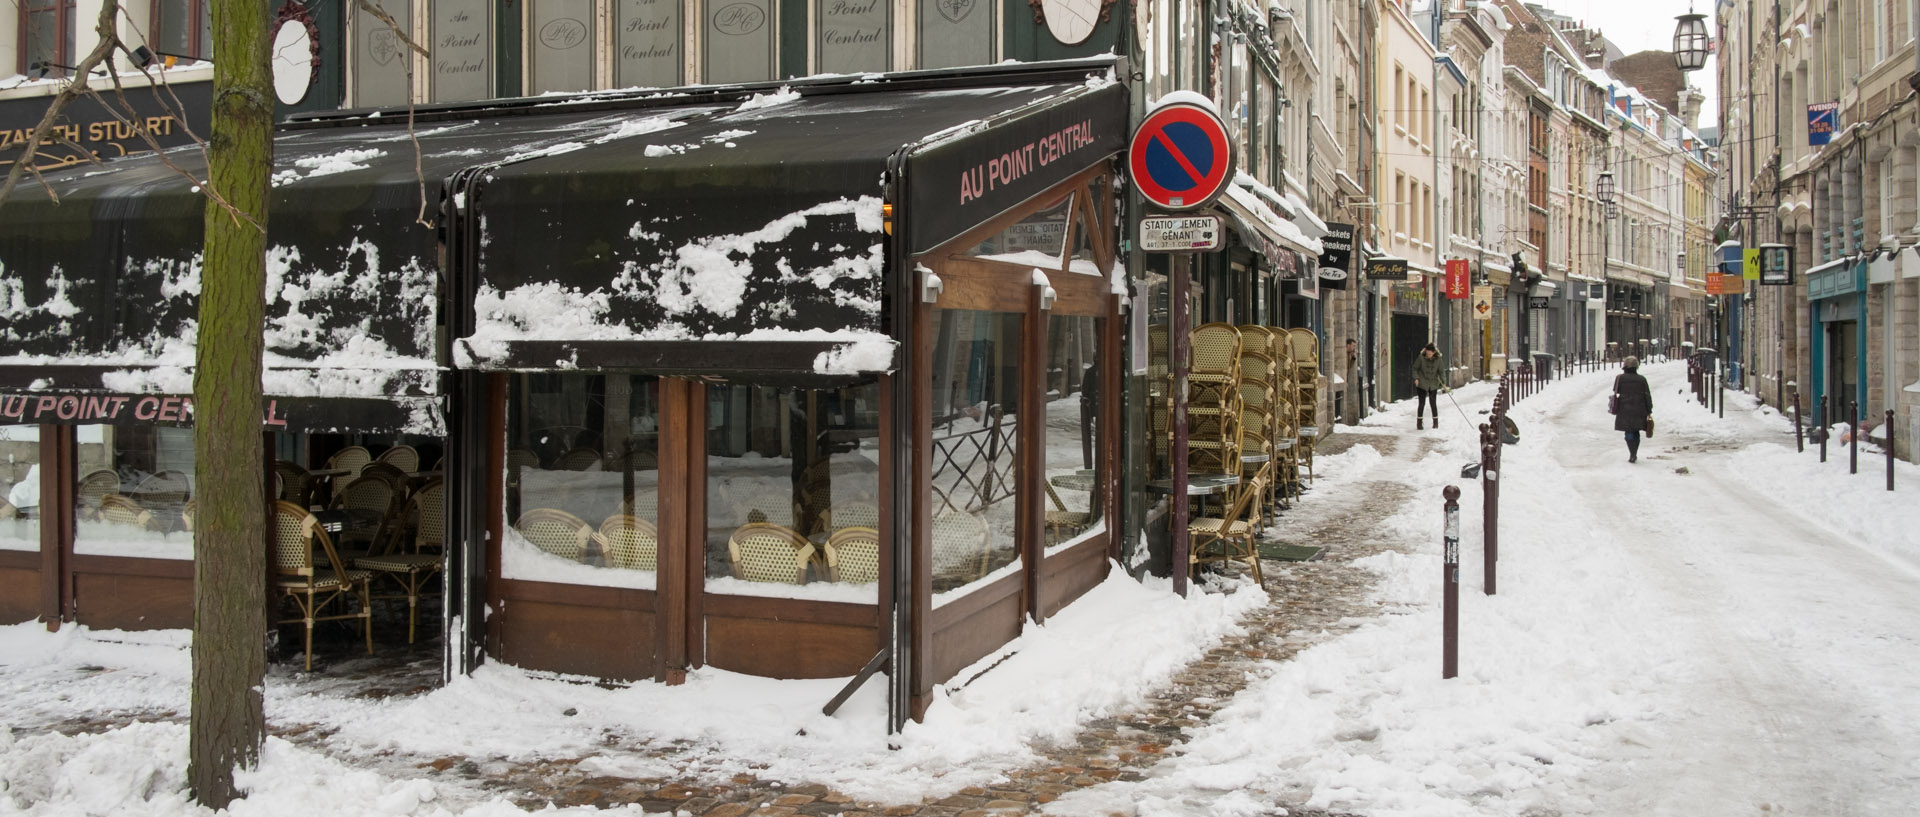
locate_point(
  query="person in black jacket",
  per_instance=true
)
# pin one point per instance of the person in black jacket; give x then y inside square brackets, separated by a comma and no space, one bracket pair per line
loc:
[1632,405]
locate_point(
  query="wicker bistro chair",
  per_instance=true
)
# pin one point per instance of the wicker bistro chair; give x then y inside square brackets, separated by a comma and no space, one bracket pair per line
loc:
[352,458]
[1228,538]
[373,494]
[119,510]
[93,486]
[557,532]
[644,504]
[853,555]
[632,543]
[1216,362]
[960,548]
[403,457]
[578,459]
[413,569]
[855,514]
[301,552]
[1063,524]
[295,483]
[761,552]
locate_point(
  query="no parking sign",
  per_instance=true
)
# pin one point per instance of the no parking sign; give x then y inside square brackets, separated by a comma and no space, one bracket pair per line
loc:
[1180,157]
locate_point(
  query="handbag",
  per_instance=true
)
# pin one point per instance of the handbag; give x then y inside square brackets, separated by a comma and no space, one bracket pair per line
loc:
[1649,426]
[1613,404]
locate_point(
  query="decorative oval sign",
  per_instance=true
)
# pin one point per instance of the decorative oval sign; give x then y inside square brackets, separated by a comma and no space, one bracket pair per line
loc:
[1180,156]
[293,50]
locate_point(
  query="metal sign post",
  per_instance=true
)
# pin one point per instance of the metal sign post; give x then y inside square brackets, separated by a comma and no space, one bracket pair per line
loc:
[1450,587]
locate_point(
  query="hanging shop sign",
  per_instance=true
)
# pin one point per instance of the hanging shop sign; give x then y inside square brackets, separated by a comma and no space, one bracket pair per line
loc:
[1483,303]
[1750,264]
[1336,255]
[1179,234]
[1387,269]
[1457,283]
[1180,157]
[1823,121]
[1776,265]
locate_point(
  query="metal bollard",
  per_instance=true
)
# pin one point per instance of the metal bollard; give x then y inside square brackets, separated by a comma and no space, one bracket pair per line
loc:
[1820,428]
[1450,587]
[1722,400]
[1799,439]
[1490,500]
[1889,428]
[1853,436]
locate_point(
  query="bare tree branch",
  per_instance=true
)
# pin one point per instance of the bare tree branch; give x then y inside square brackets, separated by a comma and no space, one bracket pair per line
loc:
[419,171]
[73,90]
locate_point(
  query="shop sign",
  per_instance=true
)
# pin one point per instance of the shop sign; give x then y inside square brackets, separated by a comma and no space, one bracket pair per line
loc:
[107,409]
[1776,265]
[1387,269]
[1823,121]
[1457,279]
[1483,303]
[1750,264]
[1336,249]
[1180,233]
[1716,283]
[104,134]
[1180,157]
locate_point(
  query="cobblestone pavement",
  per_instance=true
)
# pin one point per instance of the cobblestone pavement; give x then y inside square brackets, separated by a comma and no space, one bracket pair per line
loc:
[1312,602]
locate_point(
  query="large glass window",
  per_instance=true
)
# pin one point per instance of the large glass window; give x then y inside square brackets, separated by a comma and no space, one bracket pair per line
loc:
[792,492]
[955,32]
[46,32]
[739,40]
[184,28]
[461,45]
[1073,435]
[853,36]
[561,37]
[135,491]
[976,417]
[20,488]
[380,56]
[582,479]
[648,44]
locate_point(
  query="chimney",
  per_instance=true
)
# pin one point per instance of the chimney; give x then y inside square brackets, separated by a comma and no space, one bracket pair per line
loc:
[1691,99]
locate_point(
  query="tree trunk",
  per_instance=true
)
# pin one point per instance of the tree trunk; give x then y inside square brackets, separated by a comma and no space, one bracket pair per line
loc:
[230,531]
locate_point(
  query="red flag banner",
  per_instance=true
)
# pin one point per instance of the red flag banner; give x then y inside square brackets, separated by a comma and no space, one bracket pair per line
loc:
[1457,283]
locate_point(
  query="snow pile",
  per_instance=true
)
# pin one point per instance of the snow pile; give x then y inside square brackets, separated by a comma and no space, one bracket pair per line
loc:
[784,96]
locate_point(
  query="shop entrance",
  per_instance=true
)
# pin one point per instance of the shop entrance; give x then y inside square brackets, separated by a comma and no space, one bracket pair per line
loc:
[1409,334]
[1843,368]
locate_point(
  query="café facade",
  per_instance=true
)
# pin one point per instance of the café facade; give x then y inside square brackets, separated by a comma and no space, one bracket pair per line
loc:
[877,308]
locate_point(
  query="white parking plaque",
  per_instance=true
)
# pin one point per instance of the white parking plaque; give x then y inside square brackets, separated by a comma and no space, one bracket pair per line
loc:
[1180,234]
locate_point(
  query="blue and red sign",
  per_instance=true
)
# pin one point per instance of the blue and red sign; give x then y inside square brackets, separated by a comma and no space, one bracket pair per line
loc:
[1180,157]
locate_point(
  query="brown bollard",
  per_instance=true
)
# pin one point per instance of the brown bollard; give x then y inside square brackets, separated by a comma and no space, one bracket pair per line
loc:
[1450,586]
[1889,428]
[1853,436]
[1799,438]
[1490,499]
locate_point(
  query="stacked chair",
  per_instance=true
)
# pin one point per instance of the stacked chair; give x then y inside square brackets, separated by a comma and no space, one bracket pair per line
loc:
[1306,361]
[1213,400]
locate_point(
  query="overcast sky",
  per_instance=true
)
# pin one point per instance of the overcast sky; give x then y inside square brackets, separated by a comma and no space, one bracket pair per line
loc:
[1641,25]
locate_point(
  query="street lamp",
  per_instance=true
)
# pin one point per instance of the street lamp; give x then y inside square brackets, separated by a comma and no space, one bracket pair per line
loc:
[1603,188]
[1690,41]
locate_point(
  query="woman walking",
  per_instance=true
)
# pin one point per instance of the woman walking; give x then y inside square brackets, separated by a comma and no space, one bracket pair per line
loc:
[1632,405]
[1429,376]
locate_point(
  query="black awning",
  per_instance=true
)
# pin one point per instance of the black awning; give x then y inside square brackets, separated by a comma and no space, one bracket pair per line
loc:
[598,230]
[757,228]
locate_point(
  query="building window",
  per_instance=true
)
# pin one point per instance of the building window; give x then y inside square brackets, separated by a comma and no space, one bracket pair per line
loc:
[380,56]
[183,28]
[960,33]
[461,45]
[560,41]
[46,32]
[650,47]
[853,36]
[739,40]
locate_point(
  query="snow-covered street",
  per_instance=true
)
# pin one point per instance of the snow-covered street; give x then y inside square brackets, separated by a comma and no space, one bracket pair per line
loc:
[1723,628]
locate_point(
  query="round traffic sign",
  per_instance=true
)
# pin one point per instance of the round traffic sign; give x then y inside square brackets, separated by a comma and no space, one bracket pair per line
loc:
[1180,156]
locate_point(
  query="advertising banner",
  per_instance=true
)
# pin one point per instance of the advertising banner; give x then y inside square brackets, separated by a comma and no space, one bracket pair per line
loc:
[1823,121]
[1457,282]
[1483,303]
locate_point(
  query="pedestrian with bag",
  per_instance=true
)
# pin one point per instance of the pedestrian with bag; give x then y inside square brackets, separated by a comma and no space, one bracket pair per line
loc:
[1632,406]
[1429,377]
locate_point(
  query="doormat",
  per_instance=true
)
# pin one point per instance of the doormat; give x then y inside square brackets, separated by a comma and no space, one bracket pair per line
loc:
[1283,552]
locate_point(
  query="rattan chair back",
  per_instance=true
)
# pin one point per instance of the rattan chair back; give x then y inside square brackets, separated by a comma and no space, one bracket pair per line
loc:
[761,552]
[352,458]
[855,514]
[119,510]
[632,543]
[1216,350]
[95,485]
[578,459]
[853,555]
[295,482]
[555,531]
[960,546]
[403,457]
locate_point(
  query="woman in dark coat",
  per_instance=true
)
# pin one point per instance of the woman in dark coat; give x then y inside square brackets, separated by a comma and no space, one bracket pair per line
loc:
[1633,404]
[1429,376]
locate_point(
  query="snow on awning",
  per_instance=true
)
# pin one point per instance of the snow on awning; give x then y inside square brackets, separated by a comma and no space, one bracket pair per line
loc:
[752,239]
[1266,230]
